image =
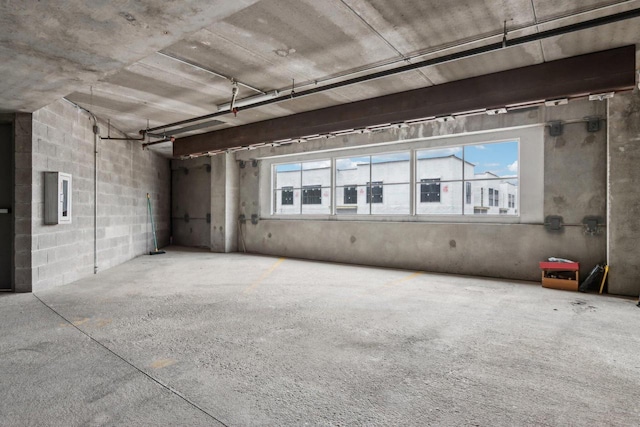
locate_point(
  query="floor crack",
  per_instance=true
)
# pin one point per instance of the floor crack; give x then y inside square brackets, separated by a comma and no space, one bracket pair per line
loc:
[152,378]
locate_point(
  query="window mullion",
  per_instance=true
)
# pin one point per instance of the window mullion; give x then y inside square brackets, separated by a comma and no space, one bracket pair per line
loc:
[412,183]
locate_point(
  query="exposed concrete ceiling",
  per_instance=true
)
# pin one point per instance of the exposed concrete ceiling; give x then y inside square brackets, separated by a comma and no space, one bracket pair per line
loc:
[161,62]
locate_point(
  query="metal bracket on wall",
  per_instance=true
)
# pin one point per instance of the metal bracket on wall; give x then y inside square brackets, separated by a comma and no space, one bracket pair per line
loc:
[592,225]
[208,218]
[254,219]
[254,163]
[556,128]
[553,223]
[242,164]
[208,168]
[242,219]
[593,124]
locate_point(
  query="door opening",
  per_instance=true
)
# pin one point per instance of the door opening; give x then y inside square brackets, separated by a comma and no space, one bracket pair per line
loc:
[6,207]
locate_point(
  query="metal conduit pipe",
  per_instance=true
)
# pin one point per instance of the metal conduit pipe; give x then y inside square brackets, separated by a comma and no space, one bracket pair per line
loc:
[108,138]
[96,133]
[634,13]
[146,144]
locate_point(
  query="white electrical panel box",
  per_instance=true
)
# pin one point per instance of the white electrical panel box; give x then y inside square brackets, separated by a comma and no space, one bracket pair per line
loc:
[57,198]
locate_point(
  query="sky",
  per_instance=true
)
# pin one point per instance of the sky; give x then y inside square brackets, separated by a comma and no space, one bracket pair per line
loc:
[498,158]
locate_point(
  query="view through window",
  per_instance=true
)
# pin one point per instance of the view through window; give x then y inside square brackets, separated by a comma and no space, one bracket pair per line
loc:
[479,179]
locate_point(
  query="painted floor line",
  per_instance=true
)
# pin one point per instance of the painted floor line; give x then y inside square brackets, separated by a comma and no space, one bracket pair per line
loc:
[266,274]
[404,279]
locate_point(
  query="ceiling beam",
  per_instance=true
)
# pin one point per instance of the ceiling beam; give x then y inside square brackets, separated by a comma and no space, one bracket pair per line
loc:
[606,71]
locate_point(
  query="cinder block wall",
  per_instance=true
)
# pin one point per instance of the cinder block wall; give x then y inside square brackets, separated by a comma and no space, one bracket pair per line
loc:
[63,141]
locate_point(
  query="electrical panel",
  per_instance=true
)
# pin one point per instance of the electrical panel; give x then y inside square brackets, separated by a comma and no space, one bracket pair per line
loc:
[57,198]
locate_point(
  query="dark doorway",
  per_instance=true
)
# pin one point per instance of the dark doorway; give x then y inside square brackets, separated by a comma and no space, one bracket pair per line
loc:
[6,206]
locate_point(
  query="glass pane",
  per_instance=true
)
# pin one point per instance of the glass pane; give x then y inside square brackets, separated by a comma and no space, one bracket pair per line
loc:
[65,198]
[391,168]
[351,200]
[444,164]
[352,171]
[493,197]
[317,173]
[434,197]
[288,175]
[316,200]
[287,201]
[493,160]
[390,199]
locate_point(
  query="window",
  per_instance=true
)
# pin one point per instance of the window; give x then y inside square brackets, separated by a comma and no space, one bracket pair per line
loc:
[450,180]
[299,188]
[312,195]
[350,195]
[430,190]
[494,199]
[374,192]
[287,195]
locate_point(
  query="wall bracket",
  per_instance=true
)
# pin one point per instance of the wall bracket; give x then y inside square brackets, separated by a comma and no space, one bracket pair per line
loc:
[556,128]
[592,225]
[553,223]
[593,124]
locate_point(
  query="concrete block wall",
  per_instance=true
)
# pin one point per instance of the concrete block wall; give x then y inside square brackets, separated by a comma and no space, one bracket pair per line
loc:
[63,141]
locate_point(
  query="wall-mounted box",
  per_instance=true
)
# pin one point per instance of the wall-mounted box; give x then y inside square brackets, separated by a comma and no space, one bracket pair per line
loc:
[57,198]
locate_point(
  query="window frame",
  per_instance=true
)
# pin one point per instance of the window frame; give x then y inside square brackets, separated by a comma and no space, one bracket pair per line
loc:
[530,177]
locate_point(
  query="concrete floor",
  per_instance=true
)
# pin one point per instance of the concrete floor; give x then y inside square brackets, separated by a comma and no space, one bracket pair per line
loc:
[195,338]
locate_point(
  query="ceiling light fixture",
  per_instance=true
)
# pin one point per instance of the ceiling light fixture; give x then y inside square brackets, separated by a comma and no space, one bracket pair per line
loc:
[497,111]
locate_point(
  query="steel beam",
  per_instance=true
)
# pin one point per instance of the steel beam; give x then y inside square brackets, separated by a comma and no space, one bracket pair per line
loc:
[607,71]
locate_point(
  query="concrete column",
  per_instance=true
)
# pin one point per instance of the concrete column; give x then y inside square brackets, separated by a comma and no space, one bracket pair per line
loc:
[225,178]
[624,205]
[23,143]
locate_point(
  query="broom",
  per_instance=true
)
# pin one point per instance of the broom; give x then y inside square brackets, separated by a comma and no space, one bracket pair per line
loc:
[153,228]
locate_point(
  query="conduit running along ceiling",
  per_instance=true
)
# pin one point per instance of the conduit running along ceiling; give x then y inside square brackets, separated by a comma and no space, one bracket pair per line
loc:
[133,62]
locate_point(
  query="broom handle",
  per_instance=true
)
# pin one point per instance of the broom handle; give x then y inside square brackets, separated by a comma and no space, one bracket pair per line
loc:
[153,227]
